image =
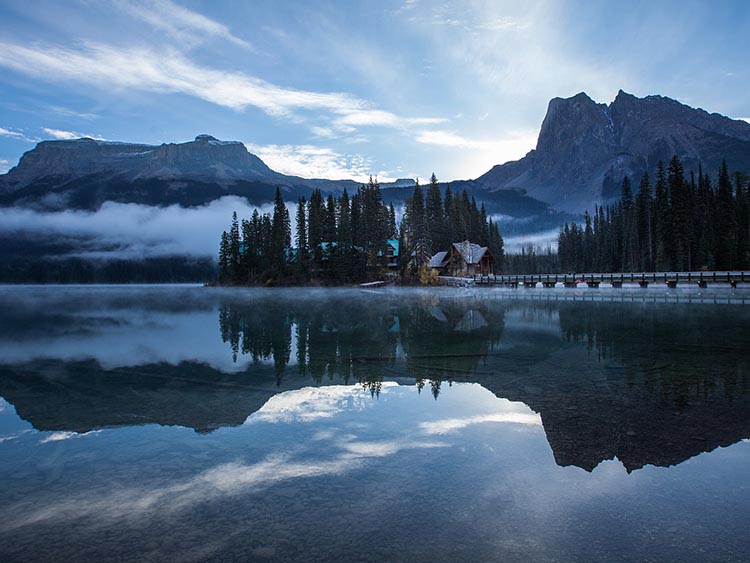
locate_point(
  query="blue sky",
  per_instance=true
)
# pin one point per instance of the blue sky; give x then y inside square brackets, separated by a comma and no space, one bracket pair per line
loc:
[346,89]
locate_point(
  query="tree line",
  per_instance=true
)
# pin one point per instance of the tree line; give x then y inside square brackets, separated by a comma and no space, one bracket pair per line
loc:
[345,239]
[338,240]
[683,223]
[435,220]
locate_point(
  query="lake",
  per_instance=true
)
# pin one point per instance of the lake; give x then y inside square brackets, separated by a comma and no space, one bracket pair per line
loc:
[174,423]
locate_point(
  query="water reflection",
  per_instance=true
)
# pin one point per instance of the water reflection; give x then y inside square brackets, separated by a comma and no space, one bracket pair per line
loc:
[190,424]
[646,383]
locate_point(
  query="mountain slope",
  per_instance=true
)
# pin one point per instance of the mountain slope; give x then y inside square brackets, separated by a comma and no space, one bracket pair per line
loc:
[83,173]
[585,149]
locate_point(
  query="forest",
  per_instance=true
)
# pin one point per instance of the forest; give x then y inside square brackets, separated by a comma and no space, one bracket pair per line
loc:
[682,223]
[352,239]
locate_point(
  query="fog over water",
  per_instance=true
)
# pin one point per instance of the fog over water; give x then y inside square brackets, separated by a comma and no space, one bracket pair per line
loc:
[133,231]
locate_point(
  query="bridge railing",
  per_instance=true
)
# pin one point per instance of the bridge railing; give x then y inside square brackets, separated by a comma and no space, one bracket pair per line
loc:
[720,276]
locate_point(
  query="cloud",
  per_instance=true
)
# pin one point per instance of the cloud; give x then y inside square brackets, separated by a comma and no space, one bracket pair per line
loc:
[166,72]
[4,165]
[132,231]
[315,162]
[448,425]
[65,435]
[15,135]
[324,132]
[504,23]
[65,112]
[65,135]
[512,147]
[383,118]
[184,25]
[169,71]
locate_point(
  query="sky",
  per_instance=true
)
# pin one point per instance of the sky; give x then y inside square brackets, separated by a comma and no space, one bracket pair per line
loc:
[393,88]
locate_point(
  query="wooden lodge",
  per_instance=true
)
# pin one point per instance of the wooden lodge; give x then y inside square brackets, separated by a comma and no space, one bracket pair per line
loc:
[464,259]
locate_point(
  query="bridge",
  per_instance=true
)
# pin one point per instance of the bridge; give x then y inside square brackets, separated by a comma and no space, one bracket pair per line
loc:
[571,280]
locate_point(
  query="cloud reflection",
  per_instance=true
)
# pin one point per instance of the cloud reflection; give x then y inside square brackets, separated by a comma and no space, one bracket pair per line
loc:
[344,439]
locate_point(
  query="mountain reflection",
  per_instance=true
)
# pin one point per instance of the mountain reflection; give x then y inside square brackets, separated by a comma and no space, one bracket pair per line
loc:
[647,383]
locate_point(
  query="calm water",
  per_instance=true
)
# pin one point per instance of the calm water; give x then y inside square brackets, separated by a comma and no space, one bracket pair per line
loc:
[190,424]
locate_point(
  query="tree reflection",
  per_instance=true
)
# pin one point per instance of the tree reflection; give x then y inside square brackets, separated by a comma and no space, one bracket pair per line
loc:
[353,341]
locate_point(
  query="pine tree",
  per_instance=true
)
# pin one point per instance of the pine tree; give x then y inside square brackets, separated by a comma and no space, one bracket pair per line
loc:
[234,250]
[726,222]
[225,261]
[450,236]
[644,226]
[301,259]
[281,235]
[663,222]
[417,228]
[435,216]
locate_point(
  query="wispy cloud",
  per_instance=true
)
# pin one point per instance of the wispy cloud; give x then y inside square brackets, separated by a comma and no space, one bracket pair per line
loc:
[4,165]
[178,22]
[512,146]
[15,135]
[67,135]
[382,118]
[448,425]
[310,161]
[65,112]
[144,69]
[504,23]
[169,71]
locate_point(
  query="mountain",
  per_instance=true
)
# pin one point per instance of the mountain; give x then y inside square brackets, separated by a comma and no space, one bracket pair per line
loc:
[84,173]
[583,152]
[585,149]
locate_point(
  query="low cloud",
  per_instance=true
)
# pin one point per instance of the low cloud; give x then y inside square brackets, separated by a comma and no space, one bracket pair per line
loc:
[4,165]
[133,231]
[67,135]
[538,241]
[310,161]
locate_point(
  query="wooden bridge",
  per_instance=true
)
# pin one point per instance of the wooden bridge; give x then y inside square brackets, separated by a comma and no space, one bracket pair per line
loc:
[671,279]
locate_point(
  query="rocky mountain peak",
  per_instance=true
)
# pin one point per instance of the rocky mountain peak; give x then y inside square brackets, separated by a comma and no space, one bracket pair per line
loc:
[586,148]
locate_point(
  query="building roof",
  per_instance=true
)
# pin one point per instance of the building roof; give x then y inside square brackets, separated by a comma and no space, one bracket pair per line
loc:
[438,261]
[470,252]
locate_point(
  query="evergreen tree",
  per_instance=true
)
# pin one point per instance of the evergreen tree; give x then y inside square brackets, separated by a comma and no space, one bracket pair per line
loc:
[281,235]
[663,222]
[225,261]
[301,259]
[234,250]
[644,226]
[450,236]
[435,216]
[726,221]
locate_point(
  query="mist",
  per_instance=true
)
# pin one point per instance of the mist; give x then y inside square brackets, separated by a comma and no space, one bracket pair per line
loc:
[538,240]
[132,231]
